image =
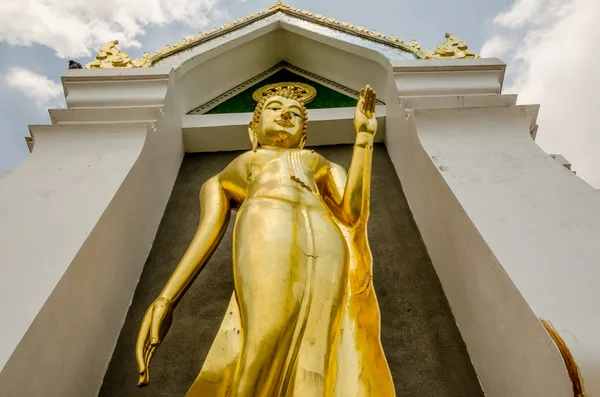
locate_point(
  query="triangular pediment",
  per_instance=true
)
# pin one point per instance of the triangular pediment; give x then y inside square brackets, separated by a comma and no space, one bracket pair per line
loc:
[283,16]
[330,94]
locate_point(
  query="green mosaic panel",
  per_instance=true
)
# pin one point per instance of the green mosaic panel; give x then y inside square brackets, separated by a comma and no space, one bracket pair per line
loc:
[326,97]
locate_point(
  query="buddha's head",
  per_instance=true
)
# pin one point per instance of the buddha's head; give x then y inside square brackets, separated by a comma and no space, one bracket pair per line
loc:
[279,121]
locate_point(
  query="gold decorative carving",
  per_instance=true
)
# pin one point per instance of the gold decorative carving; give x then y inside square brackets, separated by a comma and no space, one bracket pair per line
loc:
[143,62]
[453,47]
[414,45]
[303,319]
[301,92]
[110,56]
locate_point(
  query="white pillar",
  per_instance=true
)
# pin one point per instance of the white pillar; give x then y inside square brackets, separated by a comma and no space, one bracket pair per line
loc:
[512,234]
[78,220]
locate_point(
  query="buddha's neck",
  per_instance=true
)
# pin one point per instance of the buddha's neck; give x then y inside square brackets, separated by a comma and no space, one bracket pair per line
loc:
[278,148]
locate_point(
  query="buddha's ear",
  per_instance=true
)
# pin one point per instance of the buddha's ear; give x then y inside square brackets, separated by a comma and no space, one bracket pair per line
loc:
[252,135]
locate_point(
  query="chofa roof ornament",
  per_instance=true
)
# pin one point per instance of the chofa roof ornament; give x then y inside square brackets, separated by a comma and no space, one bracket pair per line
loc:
[110,56]
[453,47]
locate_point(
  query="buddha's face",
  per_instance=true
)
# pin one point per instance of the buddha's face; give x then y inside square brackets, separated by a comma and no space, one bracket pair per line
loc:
[281,123]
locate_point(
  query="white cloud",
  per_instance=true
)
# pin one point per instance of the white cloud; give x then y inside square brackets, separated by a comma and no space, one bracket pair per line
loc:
[78,28]
[521,12]
[41,89]
[554,63]
[497,46]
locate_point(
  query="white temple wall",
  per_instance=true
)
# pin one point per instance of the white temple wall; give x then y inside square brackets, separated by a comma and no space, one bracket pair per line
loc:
[540,220]
[469,176]
[95,196]
[68,181]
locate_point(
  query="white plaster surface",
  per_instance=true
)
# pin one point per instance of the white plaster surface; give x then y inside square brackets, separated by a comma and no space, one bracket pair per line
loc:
[78,219]
[541,221]
[224,132]
[561,160]
[449,77]
[510,233]
[352,65]
[209,75]
[115,87]
[105,115]
[457,101]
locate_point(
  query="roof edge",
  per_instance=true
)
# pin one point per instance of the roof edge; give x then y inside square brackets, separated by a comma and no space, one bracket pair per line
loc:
[110,56]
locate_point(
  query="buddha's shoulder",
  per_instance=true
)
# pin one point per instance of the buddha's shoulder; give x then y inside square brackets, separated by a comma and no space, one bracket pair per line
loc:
[315,157]
[312,153]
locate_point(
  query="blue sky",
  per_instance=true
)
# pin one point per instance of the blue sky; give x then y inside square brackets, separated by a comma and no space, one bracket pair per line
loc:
[549,46]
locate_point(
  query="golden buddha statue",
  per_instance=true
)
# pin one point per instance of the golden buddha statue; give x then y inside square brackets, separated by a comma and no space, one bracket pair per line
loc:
[303,320]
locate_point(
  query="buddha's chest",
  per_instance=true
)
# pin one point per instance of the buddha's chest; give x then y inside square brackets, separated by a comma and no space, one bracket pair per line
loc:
[295,169]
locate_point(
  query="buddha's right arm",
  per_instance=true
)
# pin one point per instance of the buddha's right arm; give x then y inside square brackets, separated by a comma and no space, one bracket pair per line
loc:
[215,211]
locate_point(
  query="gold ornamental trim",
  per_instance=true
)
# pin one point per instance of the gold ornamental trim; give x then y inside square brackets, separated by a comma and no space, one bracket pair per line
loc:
[453,47]
[301,92]
[110,56]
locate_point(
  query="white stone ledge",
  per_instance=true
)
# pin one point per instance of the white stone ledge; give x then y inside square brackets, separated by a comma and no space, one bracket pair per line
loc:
[102,115]
[458,101]
[75,75]
[115,88]
[226,132]
[85,129]
[448,77]
[435,65]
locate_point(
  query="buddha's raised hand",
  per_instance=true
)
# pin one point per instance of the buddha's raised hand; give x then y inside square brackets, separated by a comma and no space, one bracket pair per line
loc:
[364,116]
[155,325]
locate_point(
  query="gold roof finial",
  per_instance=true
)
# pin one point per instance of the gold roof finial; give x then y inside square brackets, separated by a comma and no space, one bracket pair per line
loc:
[453,47]
[278,5]
[110,56]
